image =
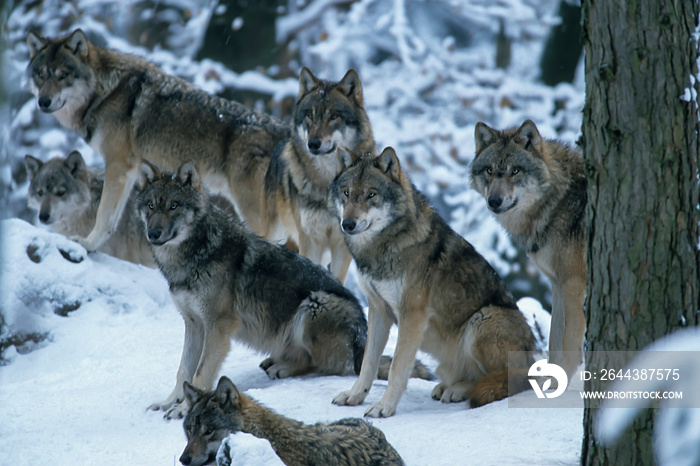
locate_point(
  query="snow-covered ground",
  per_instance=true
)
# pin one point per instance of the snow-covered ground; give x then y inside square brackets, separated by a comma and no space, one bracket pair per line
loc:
[80,397]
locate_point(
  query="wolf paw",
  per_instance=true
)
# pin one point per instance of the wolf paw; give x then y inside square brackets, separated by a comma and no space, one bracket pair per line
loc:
[266,364]
[453,394]
[347,398]
[380,410]
[277,370]
[178,411]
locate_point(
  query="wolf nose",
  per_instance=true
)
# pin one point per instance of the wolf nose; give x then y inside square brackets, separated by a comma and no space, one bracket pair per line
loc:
[154,234]
[44,217]
[185,459]
[314,145]
[348,225]
[44,103]
[495,202]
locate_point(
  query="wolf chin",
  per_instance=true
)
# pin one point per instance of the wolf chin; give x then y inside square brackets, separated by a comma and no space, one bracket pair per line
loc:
[537,190]
[418,273]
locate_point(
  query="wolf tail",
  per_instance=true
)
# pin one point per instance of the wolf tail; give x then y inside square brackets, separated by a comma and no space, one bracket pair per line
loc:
[494,386]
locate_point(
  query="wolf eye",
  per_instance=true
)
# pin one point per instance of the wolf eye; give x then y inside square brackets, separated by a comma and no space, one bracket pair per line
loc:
[173,206]
[334,116]
[40,192]
[371,195]
[309,114]
[346,193]
[60,192]
[41,74]
[489,171]
[515,171]
[150,205]
[209,431]
[61,75]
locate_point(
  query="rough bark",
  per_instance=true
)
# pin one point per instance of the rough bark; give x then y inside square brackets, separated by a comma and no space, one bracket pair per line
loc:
[641,150]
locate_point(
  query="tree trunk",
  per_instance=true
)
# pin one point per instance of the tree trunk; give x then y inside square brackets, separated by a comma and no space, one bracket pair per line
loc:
[641,151]
[563,47]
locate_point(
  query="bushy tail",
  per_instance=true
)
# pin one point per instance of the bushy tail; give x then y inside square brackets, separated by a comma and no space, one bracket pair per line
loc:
[494,386]
[419,370]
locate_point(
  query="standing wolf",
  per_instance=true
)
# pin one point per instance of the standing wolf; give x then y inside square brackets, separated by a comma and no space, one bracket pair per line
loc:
[327,115]
[228,283]
[127,109]
[67,194]
[537,189]
[417,272]
[216,414]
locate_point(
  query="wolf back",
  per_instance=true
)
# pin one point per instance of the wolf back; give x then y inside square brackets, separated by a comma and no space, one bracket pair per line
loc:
[127,108]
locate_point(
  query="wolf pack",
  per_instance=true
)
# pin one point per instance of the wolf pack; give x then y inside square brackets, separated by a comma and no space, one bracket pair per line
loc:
[254,223]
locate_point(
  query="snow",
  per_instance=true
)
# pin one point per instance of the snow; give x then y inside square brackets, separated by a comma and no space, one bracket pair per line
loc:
[82,394]
[677,421]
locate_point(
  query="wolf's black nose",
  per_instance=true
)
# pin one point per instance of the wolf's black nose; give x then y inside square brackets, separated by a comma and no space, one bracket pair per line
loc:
[44,103]
[348,225]
[154,234]
[185,459]
[44,217]
[314,144]
[495,202]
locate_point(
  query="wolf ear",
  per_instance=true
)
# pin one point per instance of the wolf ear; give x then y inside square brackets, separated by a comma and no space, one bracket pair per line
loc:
[345,159]
[307,82]
[78,43]
[388,162]
[33,166]
[35,44]
[192,394]
[350,86]
[484,136]
[529,134]
[147,173]
[187,174]
[226,392]
[75,162]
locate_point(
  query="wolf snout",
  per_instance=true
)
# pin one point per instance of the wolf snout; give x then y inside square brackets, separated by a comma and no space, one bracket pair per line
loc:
[314,145]
[495,202]
[348,226]
[44,217]
[154,234]
[44,103]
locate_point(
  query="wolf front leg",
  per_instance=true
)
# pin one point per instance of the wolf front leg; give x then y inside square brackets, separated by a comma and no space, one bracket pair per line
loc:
[121,172]
[412,325]
[379,323]
[340,259]
[568,324]
[191,354]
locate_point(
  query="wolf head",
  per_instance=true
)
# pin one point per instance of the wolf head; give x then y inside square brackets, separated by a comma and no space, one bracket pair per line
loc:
[510,168]
[170,204]
[369,193]
[59,74]
[329,115]
[59,189]
[212,417]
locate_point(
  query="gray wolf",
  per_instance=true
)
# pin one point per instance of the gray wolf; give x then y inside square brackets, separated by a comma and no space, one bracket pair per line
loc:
[66,193]
[537,190]
[327,115]
[216,414]
[417,272]
[229,283]
[127,108]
